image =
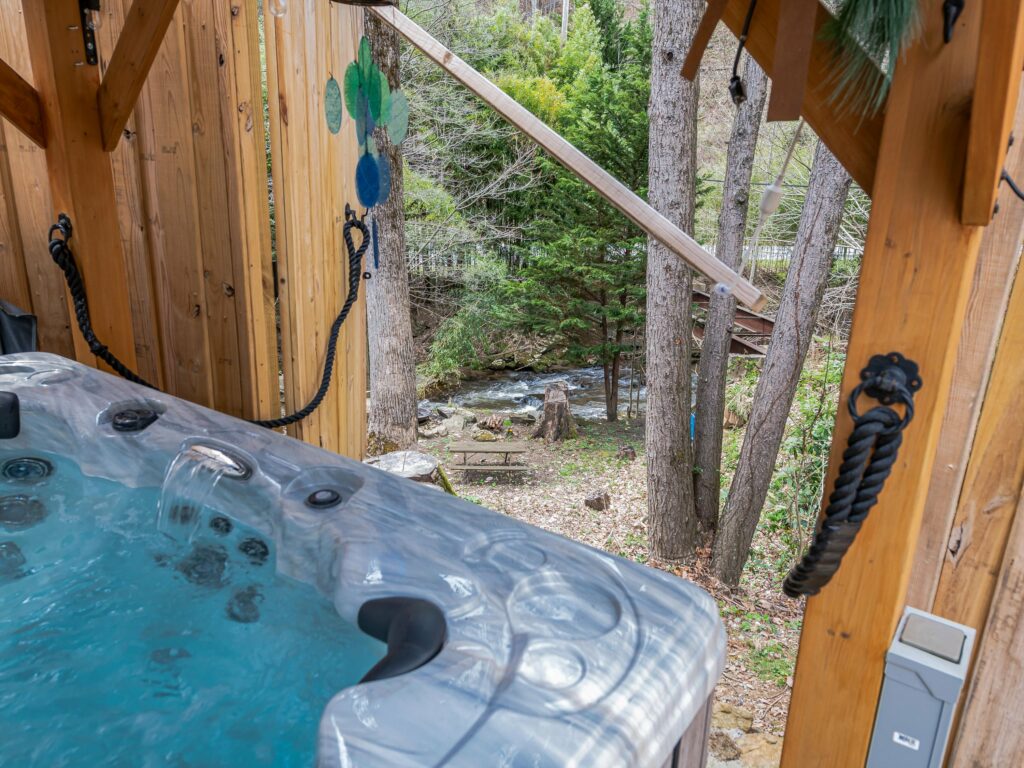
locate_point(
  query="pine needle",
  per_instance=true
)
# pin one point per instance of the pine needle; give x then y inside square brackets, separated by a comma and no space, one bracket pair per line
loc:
[869,36]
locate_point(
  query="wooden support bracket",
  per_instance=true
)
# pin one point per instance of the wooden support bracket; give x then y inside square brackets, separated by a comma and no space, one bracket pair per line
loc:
[20,104]
[792,59]
[137,46]
[606,185]
[708,22]
[995,100]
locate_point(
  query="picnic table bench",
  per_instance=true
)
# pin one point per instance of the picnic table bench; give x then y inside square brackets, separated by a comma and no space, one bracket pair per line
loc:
[483,451]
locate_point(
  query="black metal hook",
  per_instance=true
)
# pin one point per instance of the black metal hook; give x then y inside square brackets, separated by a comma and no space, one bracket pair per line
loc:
[951,10]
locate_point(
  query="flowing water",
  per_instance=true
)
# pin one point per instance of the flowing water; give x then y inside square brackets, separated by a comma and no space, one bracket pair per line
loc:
[523,392]
[123,646]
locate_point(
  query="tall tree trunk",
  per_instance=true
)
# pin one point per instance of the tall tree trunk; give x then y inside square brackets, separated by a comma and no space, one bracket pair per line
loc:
[714,351]
[671,522]
[794,326]
[392,418]
[611,387]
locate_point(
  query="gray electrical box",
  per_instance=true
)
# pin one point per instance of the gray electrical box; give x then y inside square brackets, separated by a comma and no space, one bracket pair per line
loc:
[925,670]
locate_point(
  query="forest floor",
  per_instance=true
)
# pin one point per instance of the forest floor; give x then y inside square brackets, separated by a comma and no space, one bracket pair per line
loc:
[763,626]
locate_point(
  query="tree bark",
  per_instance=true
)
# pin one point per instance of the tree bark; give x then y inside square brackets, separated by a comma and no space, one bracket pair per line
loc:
[672,112]
[392,418]
[714,351]
[556,422]
[794,326]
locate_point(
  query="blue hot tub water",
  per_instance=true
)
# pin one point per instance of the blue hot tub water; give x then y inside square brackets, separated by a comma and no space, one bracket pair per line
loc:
[123,645]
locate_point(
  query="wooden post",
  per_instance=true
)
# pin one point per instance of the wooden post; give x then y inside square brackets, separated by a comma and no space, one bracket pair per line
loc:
[918,264]
[81,181]
[979,337]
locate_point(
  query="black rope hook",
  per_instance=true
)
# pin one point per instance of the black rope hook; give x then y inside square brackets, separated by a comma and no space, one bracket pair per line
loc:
[867,461]
[737,90]
[60,233]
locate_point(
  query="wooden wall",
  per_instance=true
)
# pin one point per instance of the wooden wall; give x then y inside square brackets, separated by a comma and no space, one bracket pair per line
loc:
[191,183]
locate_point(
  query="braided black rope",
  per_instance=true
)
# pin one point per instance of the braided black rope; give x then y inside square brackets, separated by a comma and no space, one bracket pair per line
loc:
[60,234]
[867,461]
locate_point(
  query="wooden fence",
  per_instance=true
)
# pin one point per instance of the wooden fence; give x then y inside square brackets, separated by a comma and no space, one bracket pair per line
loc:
[191,182]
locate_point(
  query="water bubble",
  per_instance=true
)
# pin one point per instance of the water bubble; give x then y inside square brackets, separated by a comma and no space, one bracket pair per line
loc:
[278,8]
[723,290]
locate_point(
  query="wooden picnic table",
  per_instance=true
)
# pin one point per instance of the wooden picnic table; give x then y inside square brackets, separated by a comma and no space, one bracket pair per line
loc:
[474,449]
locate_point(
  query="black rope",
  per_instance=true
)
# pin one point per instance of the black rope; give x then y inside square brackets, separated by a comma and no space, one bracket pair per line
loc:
[867,461]
[737,90]
[64,259]
[60,234]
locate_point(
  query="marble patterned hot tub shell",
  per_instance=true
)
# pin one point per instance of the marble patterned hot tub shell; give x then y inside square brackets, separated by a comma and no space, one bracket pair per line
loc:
[555,654]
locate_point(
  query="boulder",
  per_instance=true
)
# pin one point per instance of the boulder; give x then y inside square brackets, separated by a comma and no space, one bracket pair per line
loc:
[599,500]
[528,418]
[727,717]
[428,433]
[422,414]
[415,466]
[454,423]
[760,750]
[484,436]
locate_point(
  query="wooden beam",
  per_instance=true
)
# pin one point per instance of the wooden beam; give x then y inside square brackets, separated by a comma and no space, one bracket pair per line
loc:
[606,185]
[19,103]
[986,308]
[792,59]
[991,731]
[81,181]
[137,46]
[995,473]
[917,268]
[701,38]
[853,140]
[997,83]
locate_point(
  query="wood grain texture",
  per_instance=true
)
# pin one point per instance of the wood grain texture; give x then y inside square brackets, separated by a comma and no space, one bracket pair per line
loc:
[995,102]
[137,45]
[853,140]
[706,28]
[640,213]
[991,733]
[998,260]
[19,103]
[81,181]
[314,178]
[29,191]
[992,484]
[916,275]
[792,59]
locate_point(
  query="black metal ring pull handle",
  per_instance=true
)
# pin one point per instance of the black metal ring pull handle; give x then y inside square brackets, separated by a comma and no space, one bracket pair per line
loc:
[867,461]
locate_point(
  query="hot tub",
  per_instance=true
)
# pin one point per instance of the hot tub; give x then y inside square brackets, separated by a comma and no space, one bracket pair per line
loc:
[178,587]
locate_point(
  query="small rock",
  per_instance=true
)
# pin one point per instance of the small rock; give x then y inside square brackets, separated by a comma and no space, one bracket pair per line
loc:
[422,414]
[723,747]
[454,423]
[760,750]
[599,500]
[526,418]
[431,432]
[626,453]
[483,436]
[726,717]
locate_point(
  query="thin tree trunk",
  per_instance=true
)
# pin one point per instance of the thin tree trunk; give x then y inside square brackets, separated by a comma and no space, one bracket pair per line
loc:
[794,326]
[714,352]
[392,418]
[672,524]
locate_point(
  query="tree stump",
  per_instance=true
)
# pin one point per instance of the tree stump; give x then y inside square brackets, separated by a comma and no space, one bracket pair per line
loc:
[556,422]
